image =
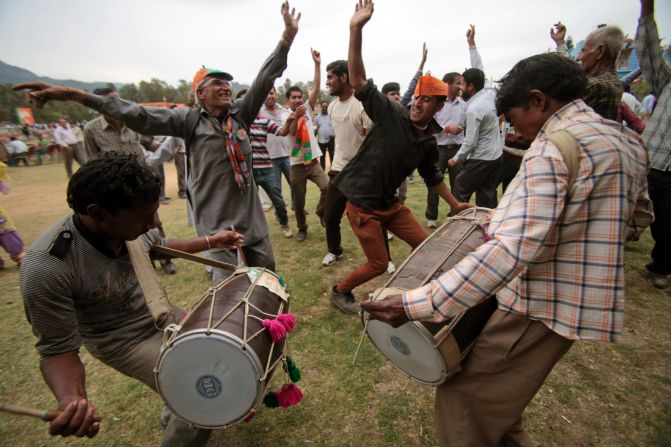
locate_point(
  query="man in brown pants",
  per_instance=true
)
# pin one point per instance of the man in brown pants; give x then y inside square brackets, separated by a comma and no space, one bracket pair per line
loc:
[399,142]
[557,248]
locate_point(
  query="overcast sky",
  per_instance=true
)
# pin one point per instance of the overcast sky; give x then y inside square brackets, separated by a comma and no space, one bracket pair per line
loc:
[133,40]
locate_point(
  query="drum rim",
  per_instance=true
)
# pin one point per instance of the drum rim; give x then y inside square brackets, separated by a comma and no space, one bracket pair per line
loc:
[427,336]
[250,353]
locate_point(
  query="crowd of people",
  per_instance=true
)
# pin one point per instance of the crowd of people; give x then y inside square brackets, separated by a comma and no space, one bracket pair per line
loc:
[554,259]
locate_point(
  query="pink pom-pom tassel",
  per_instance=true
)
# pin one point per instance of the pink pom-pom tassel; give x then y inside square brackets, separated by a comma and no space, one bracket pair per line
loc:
[250,416]
[288,320]
[276,329]
[289,395]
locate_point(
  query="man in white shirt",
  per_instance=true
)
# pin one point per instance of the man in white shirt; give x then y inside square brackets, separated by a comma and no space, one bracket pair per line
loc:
[305,151]
[452,118]
[67,140]
[482,147]
[350,125]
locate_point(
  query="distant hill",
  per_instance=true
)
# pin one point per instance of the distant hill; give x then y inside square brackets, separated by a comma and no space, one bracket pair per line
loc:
[10,74]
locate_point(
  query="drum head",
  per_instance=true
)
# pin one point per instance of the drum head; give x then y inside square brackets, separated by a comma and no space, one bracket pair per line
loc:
[410,349]
[209,380]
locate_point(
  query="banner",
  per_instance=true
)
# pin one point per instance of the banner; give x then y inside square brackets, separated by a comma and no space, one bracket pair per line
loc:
[25,116]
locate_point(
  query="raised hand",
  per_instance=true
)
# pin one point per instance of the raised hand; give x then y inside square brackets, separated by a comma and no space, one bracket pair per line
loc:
[316,57]
[470,36]
[363,11]
[40,93]
[558,33]
[290,21]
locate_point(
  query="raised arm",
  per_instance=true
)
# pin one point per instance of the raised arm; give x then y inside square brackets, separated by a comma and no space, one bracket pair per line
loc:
[406,100]
[272,68]
[316,84]
[476,60]
[655,69]
[558,35]
[363,11]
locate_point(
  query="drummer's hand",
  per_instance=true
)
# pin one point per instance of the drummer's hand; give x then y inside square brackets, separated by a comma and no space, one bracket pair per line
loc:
[462,206]
[78,418]
[390,310]
[226,239]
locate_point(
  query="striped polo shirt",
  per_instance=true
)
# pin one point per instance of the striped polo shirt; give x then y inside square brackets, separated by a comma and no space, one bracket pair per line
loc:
[258,137]
[83,296]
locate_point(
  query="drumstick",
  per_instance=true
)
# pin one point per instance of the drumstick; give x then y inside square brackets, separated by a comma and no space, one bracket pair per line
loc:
[49,415]
[192,257]
[241,255]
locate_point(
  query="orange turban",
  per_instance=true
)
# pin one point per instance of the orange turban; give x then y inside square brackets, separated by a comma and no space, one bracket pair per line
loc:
[203,72]
[430,86]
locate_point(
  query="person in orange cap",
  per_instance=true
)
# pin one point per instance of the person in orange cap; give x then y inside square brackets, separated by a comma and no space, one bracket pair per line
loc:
[220,184]
[399,142]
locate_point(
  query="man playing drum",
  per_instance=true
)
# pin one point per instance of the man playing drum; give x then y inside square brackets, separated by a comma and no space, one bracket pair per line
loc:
[399,142]
[554,261]
[79,287]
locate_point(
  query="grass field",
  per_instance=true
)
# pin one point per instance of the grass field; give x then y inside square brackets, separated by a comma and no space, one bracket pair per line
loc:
[599,395]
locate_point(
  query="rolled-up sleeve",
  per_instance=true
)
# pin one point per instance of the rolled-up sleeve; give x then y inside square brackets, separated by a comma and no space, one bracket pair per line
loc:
[374,103]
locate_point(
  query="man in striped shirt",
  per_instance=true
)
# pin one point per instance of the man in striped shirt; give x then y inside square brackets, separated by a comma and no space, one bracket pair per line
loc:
[554,261]
[262,165]
[80,289]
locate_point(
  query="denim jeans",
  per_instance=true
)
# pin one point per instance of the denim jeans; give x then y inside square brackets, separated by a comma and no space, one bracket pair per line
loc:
[282,165]
[266,179]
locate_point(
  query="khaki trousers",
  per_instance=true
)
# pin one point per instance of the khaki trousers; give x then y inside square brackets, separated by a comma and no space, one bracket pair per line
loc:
[482,405]
[300,174]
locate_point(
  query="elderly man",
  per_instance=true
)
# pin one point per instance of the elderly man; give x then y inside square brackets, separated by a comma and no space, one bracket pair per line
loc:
[657,136]
[399,141]
[220,182]
[554,261]
[597,58]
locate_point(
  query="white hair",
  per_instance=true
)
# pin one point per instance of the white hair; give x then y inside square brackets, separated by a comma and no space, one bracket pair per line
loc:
[611,36]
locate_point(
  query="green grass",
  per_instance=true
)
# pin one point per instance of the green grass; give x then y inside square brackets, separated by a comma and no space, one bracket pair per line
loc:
[600,394]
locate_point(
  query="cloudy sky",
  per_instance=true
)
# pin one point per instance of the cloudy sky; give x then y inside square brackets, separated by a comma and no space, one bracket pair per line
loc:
[133,40]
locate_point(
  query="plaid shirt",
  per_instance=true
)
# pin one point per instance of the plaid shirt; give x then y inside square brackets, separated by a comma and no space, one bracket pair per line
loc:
[657,134]
[566,271]
[604,93]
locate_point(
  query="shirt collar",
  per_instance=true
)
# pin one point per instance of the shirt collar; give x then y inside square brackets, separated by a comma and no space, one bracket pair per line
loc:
[554,122]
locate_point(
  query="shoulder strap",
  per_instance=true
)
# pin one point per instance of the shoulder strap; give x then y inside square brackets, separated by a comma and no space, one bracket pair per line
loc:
[568,148]
[154,295]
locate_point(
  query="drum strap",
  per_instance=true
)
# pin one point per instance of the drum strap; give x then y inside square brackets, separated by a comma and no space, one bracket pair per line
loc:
[569,149]
[154,295]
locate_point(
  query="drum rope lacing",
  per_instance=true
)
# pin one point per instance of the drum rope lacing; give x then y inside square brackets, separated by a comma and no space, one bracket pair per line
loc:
[171,330]
[475,223]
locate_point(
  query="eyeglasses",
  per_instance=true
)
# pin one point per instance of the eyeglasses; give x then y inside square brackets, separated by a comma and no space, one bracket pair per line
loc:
[215,82]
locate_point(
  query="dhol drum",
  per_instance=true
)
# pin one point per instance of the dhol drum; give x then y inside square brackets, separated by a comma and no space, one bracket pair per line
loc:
[430,352]
[215,365]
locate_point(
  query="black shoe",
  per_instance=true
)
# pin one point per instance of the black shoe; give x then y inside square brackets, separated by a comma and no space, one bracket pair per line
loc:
[168,267]
[301,235]
[345,302]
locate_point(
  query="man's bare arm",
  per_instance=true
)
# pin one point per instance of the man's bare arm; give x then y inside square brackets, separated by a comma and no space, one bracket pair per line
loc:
[66,377]
[314,95]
